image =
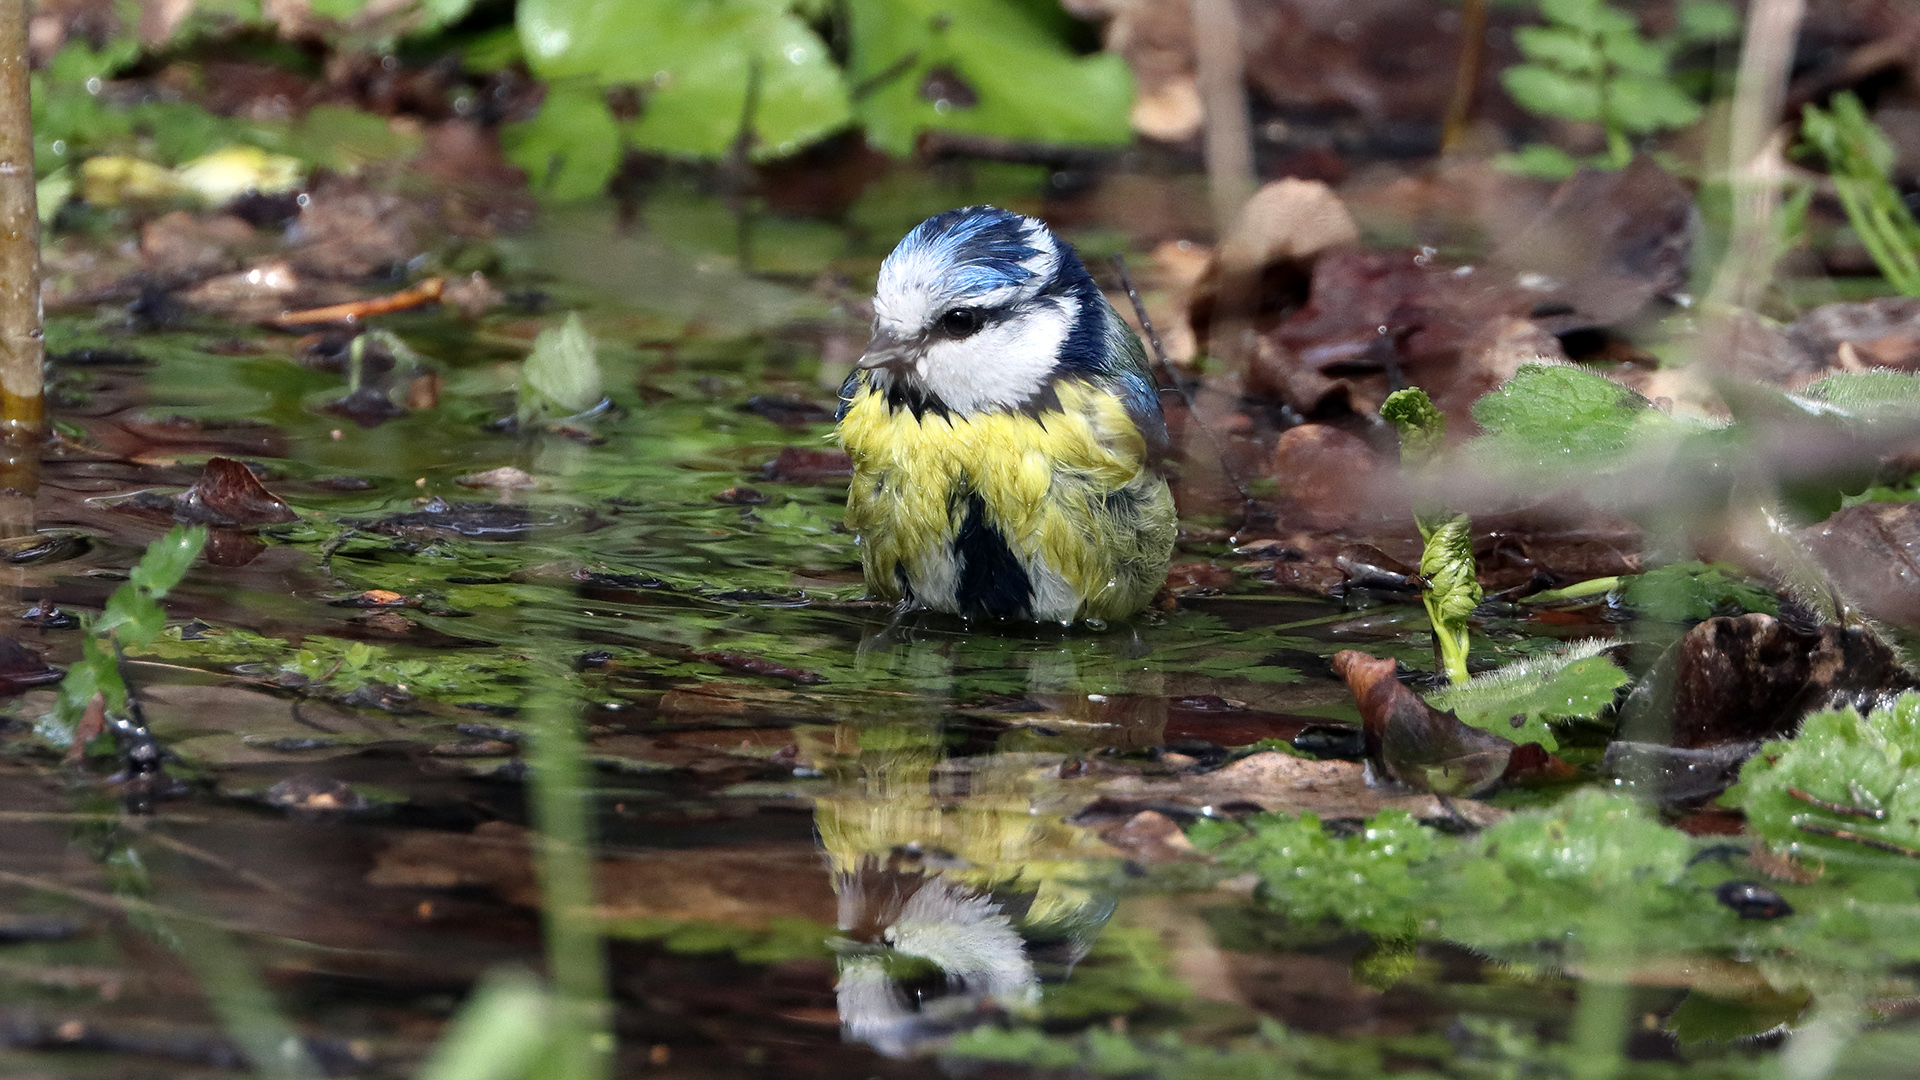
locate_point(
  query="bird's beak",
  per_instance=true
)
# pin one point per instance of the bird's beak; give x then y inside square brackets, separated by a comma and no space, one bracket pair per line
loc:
[885,350]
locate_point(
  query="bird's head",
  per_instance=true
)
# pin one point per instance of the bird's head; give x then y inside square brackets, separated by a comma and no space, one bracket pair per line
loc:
[980,309]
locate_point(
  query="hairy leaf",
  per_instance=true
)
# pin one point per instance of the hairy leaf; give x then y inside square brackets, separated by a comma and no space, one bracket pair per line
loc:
[1538,692]
[1848,783]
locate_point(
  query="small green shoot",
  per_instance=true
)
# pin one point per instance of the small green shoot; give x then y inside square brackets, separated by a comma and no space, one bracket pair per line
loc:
[562,375]
[1860,159]
[499,1034]
[562,784]
[132,620]
[1591,64]
[1453,590]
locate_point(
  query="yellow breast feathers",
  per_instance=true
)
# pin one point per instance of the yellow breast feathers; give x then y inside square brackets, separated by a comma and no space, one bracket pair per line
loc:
[1068,491]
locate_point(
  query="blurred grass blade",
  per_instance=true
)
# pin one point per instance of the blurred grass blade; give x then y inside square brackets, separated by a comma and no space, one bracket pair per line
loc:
[1861,159]
[498,1034]
[583,1041]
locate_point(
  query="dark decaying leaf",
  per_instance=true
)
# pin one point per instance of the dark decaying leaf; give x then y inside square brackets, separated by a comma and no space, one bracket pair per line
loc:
[1872,554]
[1409,742]
[1608,244]
[1878,333]
[480,521]
[1376,320]
[1741,680]
[308,793]
[1330,479]
[799,465]
[368,406]
[758,665]
[22,668]
[228,493]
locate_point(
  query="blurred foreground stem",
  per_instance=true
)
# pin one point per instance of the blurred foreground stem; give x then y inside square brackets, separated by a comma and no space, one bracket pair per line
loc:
[1223,101]
[583,1043]
[22,347]
[1755,169]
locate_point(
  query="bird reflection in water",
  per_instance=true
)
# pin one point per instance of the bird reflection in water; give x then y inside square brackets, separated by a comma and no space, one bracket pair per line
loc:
[957,899]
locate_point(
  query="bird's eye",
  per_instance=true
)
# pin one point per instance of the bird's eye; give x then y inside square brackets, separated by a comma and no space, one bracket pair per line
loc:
[961,322]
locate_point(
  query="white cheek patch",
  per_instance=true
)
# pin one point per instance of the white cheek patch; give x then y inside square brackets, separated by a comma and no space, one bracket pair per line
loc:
[1001,366]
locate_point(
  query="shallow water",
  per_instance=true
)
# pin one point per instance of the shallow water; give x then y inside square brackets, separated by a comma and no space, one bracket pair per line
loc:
[829,840]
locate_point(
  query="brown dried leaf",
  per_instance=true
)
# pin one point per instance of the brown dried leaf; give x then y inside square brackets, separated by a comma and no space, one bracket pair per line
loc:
[1283,783]
[799,465]
[1412,743]
[228,493]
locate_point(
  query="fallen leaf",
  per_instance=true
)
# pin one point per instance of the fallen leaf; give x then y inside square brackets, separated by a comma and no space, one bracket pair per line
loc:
[504,478]
[1283,783]
[1740,680]
[799,465]
[228,493]
[1412,743]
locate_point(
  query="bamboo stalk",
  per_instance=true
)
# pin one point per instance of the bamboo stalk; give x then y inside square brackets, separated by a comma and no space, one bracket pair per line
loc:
[22,344]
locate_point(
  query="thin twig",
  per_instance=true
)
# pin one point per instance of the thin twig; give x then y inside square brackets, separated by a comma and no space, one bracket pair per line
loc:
[1176,383]
[1862,839]
[427,292]
[1466,77]
[1837,808]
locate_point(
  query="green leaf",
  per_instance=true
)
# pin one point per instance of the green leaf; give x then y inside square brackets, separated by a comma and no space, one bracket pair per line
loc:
[1633,54]
[1643,104]
[497,1035]
[1863,770]
[1551,92]
[696,62]
[1576,684]
[168,559]
[1868,394]
[571,147]
[1694,592]
[1708,20]
[134,618]
[1542,160]
[1555,46]
[983,66]
[1592,16]
[1362,879]
[562,376]
[1558,419]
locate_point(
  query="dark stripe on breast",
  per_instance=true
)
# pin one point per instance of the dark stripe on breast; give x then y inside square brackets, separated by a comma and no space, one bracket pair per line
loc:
[992,582]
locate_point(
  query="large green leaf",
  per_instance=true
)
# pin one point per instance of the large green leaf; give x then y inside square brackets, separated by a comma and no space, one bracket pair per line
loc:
[571,147]
[696,62]
[1561,419]
[978,66]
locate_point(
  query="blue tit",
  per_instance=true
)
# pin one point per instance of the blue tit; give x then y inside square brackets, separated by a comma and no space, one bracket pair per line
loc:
[1006,436]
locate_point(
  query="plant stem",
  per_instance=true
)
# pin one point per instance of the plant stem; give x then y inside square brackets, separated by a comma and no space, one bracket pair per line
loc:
[1223,98]
[1754,168]
[22,346]
[575,957]
[1466,77]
